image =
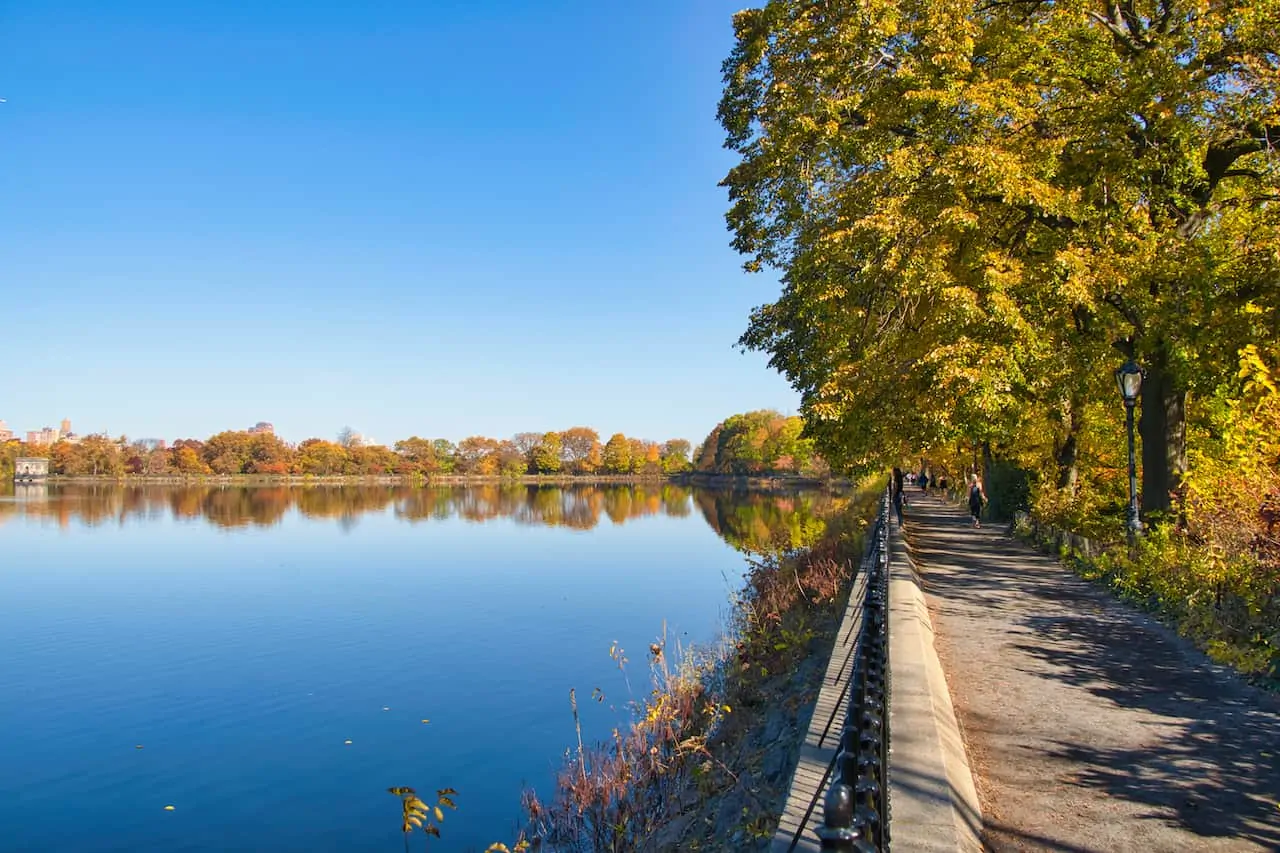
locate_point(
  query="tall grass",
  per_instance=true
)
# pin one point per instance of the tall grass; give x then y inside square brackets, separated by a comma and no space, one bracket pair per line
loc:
[617,795]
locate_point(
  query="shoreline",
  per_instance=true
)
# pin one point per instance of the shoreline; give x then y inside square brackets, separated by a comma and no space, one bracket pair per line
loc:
[726,721]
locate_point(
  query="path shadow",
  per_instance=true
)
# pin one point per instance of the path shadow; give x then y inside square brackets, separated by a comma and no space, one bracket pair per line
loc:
[1219,772]
[1216,768]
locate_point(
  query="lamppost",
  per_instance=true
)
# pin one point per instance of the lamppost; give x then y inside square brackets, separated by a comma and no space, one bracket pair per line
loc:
[1129,378]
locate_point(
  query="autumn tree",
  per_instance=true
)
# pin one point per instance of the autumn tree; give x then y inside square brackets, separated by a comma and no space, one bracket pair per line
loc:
[185,458]
[582,452]
[617,454]
[636,452]
[974,202]
[475,456]
[446,454]
[651,456]
[63,459]
[322,458]
[268,454]
[94,456]
[228,452]
[760,442]
[372,460]
[674,456]
[421,455]
[526,443]
[546,457]
[743,444]
[511,462]
[158,463]
[705,458]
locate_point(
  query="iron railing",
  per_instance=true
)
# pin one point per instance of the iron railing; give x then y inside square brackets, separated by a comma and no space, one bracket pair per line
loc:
[856,810]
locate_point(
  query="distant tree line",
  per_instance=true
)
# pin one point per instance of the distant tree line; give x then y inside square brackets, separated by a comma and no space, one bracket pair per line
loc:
[760,442]
[573,452]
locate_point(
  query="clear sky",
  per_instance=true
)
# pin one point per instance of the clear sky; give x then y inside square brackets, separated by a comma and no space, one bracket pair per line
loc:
[431,218]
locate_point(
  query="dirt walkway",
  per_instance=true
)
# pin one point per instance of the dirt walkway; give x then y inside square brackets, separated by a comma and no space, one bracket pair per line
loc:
[1090,726]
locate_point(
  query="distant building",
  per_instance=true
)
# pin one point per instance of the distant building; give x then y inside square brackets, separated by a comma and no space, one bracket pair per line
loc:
[262,428]
[6,434]
[45,436]
[66,426]
[30,469]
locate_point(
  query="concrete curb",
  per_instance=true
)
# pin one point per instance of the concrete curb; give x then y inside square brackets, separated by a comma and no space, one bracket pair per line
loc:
[933,799]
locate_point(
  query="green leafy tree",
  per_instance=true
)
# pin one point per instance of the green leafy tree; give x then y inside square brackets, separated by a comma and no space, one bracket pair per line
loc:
[635,452]
[511,462]
[971,203]
[760,442]
[675,456]
[446,455]
[617,454]
[547,456]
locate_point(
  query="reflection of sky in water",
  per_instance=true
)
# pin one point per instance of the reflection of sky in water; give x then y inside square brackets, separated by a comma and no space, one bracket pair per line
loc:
[241,655]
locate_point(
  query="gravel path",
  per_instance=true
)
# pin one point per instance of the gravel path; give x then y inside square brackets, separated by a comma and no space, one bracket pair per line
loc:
[1090,726]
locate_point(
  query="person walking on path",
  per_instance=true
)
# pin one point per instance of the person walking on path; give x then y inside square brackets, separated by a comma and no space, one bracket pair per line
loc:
[898,497]
[977,497]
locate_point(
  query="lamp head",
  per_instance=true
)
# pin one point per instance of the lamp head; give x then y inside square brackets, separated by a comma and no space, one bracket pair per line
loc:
[1129,378]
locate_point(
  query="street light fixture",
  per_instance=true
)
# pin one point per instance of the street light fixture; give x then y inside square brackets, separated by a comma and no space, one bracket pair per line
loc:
[1129,378]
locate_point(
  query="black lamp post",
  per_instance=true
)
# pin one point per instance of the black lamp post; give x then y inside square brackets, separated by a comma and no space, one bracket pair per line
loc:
[1129,378]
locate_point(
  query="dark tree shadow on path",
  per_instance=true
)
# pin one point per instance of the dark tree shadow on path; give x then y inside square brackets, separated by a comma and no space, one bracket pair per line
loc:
[1218,775]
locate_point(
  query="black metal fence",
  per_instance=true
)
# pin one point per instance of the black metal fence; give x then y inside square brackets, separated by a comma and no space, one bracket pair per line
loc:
[856,811]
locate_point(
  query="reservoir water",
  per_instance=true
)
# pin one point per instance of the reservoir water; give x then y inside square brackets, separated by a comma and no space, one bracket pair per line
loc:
[268,661]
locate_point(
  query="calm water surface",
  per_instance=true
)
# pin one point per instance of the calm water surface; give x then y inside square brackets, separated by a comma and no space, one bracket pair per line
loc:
[241,636]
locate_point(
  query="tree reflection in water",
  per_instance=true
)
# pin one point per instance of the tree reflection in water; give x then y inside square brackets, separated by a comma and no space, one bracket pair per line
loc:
[756,522]
[768,522]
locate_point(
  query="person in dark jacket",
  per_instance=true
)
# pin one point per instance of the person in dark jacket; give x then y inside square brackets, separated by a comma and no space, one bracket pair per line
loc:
[977,497]
[896,493]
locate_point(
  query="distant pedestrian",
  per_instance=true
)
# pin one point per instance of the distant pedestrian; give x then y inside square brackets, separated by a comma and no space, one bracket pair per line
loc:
[896,492]
[923,479]
[977,497]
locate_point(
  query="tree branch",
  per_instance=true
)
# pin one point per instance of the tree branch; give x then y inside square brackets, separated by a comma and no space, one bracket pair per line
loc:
[1219,158]
[1116,301]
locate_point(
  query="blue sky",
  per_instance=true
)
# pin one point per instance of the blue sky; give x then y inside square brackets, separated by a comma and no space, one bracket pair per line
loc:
[432,218]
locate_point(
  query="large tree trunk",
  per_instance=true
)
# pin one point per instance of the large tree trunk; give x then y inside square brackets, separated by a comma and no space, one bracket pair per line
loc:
[1067,452]
[1163,427]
